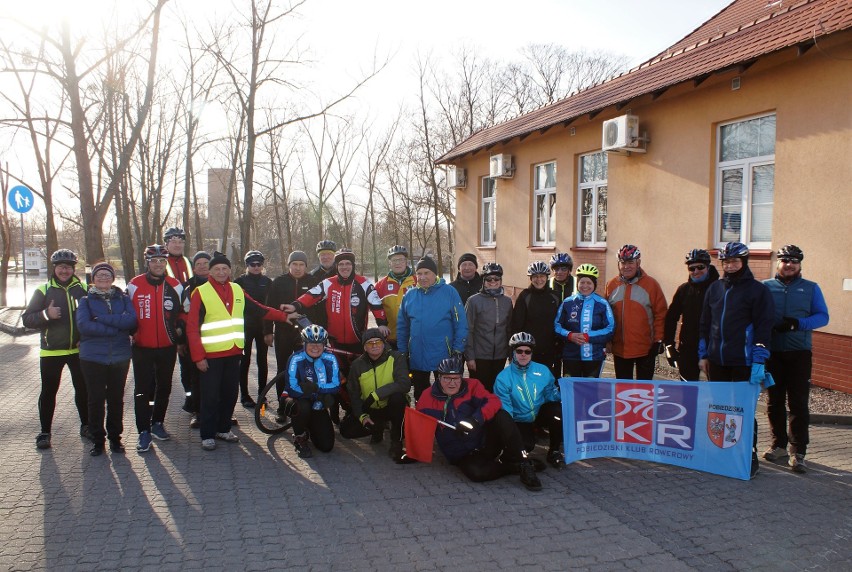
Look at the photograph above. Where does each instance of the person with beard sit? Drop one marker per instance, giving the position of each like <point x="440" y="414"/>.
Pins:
<point x="799" y="309"/>
<point x="160" y="325"/>
<point x="735" y="330"/>
<point x="189" y="377"/>
<point x="468" y="281"/>
<point x="535" y="311"/>
<point x="489" y="318"/>
<point x="257" y="285"/>
<point x="686" y="307"/>
<point x="52" y="310"/>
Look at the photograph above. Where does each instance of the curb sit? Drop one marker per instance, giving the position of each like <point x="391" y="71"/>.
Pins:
<point x="10" y="321"/>
<point x="818" y="418"/>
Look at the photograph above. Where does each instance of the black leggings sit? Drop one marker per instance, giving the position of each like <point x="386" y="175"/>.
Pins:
<point x="51" y="374"/>
<point x="549" y="417"/>
<point x="152" y="377"/>
<point x="261" y="351"/>
<point x="503" y="442"/>
<point x="394" y="411"/>
<point x="316" y="422"/>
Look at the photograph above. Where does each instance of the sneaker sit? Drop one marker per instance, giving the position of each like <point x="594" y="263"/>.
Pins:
<point x="208" y="444"/>
<point x="159" y="432"/>
<point x="528" y="476"/>
<point x="775" y="453"/>
<point x="43" y="441"/>
<point x="303" y="447"/>
<point x="144" y="442"/>
<point x="115" y="446"/>
<point x="395" y="451"/>
<point x="193" y="423"/>
<point x="797" y="463"/>
<point x="85" y="433"/>
<point x="248" y="402"/>
<point x="755" y="466"/>
<point x="97" y="450"/>
<point x="229" y="437"/>
<point x="556" y="458"/>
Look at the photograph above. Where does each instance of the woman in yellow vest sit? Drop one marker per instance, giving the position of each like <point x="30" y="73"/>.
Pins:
<point x="215" y="332"/>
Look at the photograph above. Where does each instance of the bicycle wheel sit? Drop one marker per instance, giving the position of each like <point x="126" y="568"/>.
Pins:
<point x="266" y="412"/>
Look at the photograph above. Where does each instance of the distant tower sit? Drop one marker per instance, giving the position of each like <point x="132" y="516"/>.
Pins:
<point x="217" y="196"/>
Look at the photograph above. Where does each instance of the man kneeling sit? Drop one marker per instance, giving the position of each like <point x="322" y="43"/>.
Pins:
<point x="483" y="430"/>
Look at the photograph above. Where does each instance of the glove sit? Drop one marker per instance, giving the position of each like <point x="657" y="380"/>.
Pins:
<point x="759" y="354"/>
<point x="467" y="426"/>
<point x="787" y="325"/>
<point x="758" y="373"/>
<point x="672" y="355"/>
<point x="328" y="400"/>
<point x="370" y="400"/>
<point x="309" y="387"/>
<point x="366" y="421"/>
<point x="768" y="381"/>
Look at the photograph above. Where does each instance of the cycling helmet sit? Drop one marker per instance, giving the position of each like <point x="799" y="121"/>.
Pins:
<point x="561" y="259"/>
<point x="538" y="267"/>
<point x="156" y="251"/>
<point x="697" y="255"/>
<point x="629" y="252"/>
<point x="254" y="256"/>
<point x="397" y="249"/>
<point x="733" y="250"/>
<point x="344" y="254"/>
<point x="173" y="232"/>
<point x="451" y="365"/>
<point x="63" y="256"/>
<point x="326" y="245"/>
<point x="522" y="339"/>
<point x="588" y="270"/>
<point x="314" y="334"/>
<point x="491" y="269"/>
<point x="791" y="252"/>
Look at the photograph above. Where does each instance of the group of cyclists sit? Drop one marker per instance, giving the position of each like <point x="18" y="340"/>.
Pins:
<point x="426" y="333"/>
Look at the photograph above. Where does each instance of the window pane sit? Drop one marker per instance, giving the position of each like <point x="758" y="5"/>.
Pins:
<point x="586" y="215"/>
<point x="593" y="168"/>
<point x="545" y="176"/>
<point x="766" y="137"/>
<point x="539" y="218"/>
<point x="551" y="235"/>
<point x="486" y="222"/>
<point x="487" y="187"/>
<point x="729" y="139"/>
<point x="732" y="192"/>
<point x="601" y="214"/>
<point x="550" y="169"/>
<point x="762" y="198"/>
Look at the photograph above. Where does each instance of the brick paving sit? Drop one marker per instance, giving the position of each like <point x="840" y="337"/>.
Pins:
<point x="256" y="506"/>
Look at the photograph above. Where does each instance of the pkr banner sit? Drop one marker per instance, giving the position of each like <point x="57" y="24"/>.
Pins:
<point x="706" y="426"/>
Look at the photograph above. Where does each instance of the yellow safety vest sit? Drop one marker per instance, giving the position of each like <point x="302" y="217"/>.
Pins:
<point x="222" y="330"/>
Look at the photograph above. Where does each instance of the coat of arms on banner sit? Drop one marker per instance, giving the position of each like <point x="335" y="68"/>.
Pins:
<point x="724" y="429"/>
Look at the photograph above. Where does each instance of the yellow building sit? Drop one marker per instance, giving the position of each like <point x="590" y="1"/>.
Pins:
<point x="741" y="131"/>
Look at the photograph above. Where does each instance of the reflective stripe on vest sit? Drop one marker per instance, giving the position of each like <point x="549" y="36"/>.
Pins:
<point x="171" y="273"/>
<point x="222" y="330"/>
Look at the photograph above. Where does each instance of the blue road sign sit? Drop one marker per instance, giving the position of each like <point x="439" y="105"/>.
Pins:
<point x="21" y="199"/>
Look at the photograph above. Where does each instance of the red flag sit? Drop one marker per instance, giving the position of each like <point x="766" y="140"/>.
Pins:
<point x="419" y="434"/>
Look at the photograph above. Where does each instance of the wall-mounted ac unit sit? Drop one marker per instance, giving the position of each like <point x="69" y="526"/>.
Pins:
<point x="622" y="134"/>
<point x="456" y="177"/>
<point x="501" y="166"/>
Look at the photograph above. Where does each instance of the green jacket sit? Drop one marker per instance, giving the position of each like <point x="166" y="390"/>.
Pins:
<point x="58" y="337"/>
<point x="384" y="377"/>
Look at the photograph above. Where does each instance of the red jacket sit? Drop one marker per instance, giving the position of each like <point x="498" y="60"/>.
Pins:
<point x="158" y="311"/>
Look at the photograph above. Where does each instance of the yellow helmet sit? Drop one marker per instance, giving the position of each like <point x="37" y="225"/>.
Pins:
<point x="588" y="270"/>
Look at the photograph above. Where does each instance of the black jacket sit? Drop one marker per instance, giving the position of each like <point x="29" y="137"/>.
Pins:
<point x="285" y="290"/>
<point x="535" y="313"/>
<point x="686" y="307"/>
<point x="467" y="288"/>
<point x="256" y="286"/>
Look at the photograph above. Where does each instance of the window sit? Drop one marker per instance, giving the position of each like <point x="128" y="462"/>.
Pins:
<point x="488" y="234"/>
<point x="544" y="205"/>
<point x="592" y="200"/>
<point x="745" y="182"/>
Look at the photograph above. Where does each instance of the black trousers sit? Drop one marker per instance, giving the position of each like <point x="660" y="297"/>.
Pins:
<point x="105" y="385"/>
<point x="317" y="422"/>
<point x="740" y="374"/>
<point x="503" y="447"/>
<point x="549" y="359"/>
<point x="253" y="336"/>
<point x="792" y="374"/>
<point x="580" y="368"/>
<point x="487" y="370"/>
<point x="420" y="381"/>
<point x="394" y="411"/>
<point x="152" y="376"/>
<point x="549" y="417"/>
<point x="51" y="374"/>
<point x="687" y="363"/>
<point x="285" y="346"/>
<point x="221" y="384"/>
<point x="644" y="367"/>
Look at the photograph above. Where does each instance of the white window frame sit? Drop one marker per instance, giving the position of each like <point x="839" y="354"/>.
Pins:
<point x="593" y="186"/>
<point x="747" y="165"/>
<point x="488" y="208"/>
<point x="545" y="193"/>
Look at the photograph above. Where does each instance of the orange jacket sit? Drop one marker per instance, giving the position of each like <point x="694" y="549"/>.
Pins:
<point x="640" y="308"/>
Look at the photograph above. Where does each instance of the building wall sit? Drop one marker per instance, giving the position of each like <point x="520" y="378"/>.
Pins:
<point x="664" y="201"/>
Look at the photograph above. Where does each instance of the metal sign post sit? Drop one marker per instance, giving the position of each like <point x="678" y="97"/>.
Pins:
<point x="21" y="200"/>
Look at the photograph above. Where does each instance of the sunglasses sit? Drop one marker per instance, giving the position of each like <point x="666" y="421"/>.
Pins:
<point x="255" y="264"/>
<point x="374" y="343"/>
<point x="493" y="279"/>
<point x="521" y="352"/>
<point x="790" y="261"/>
<point x="697" y="268"/>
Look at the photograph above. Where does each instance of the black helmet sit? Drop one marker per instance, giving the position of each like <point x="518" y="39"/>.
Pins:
<point x="733" y="250"/>
<point x="491" y="269"/>
<point x="326" y="245"/>
<point x="451" y="365"/>
<point x="397" y="249"/>
<point x="156" y="251"/>
<point x="522" y="339"/>
<point x="63" y="256"/>
<point x="538" y="267"/>
<point x="173" y="232"/>
<point x="254" y="256"/>
<point x="697" y="255"/>
<point x="791" y="252"/>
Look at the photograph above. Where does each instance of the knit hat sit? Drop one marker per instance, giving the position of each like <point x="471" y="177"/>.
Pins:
<point x="103" y="266"/>
<point x="297" y="256"/>
<point x="199" y="255"/>
<point x="371" y="334"/>
<point x="219" y="258"/>
<point x="467" y="257"/>
<point x="428" y="264"/>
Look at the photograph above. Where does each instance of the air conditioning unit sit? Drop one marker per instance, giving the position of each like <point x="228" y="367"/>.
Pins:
<point x="622" y="134"/>
<point x="501" y="166"/>
<point x="456" y="177"/>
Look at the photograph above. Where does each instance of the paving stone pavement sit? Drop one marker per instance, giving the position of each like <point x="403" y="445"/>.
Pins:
<point x="256" y="506"/>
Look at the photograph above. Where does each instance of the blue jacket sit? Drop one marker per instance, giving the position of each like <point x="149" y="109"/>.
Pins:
<point x="523" y="390"/>
<point x="431" y="325"/>
<point x="302" y="369"/>
<point x="590" y="315"/>
<point x="800" y="299"/>
<point x="105" y="329"/>
<point x="738" y="313"/>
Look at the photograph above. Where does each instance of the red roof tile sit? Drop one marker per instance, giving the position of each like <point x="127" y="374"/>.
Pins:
<point x="742" y="32"/>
